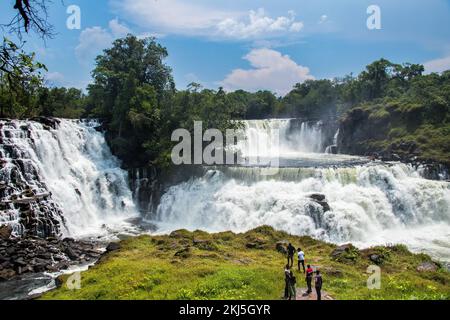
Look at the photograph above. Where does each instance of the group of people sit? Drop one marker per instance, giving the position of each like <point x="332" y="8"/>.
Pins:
<point x="290" y="291"/>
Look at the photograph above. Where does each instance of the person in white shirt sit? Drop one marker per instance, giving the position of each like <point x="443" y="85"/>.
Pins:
<point x="301" y="259"/>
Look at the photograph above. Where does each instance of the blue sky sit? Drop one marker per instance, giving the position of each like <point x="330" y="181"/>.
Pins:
<point x="249" y="44"/>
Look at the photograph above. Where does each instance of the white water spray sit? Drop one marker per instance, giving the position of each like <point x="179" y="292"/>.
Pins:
<point x="75" y="164"/>
<point x="370" y="204"/>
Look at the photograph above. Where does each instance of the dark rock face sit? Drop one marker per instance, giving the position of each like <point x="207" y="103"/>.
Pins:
<point x="149" y="184"/>
<point x="20" y="256"/>
<point x="321" y="199"/>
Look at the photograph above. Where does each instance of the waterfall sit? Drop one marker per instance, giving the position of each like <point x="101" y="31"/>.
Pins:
<point x="61" y="180"/>
<point x="370" y="204"/>
<point x="285" y="137"/>
<point x="333" y="148"/>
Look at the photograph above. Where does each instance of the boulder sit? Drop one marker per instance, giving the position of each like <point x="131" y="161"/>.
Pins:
<point x="325" y="206"/>
<point x="205" y="245"/>
<point x="6" y="274"/>
<point x="281" y="247"/>
<point x="428" y="266"/>
<point x="71" y="253"/>
<point x="59" y="281"/>
<point x="5" y="232"/>
<point x="317" y="197"/>
<point x="183" y="253"/>
<point x="345" y="253"/>
<point x="113" y="246"/>
<point x="256" y="243"/>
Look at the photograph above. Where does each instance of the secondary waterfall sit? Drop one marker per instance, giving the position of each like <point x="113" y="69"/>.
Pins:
<point x="284" y="137"/>
<point x="366" y="203"/>
<point x="61" y="180"/>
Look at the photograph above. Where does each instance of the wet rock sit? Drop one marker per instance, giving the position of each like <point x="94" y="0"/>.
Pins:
<point x="59" y="282"/>
<point x="113" y="246"/>
<point x="7" y="274"/>
<point x="52" y="123"/>
<point x="325" y="206"/>
<point x="35" y="255"/>
<point x="427" y="267"/>
<point x="70" y="252"/>
<point x="317" y="197"/>
<point x="5" y="232"/>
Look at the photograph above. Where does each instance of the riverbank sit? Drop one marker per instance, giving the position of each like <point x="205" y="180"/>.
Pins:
<point x="32" y="255"/>
<point x="198" y="265"/>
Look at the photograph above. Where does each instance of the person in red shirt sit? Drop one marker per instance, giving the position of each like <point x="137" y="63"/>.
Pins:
<point x="309" y="277"/>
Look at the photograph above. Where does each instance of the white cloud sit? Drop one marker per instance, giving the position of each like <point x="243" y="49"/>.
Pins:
<point x="271" y="71"/>
<point x="258" y="25"/>
<point x="177" y="17"/>
<point x="171" y="15"/>
<point x="55" y="78"/>
<point x="437" y="65"/>
<point x="323" y="19"/>
<point x="93" y="40"/>
<point x="117" y="29"/>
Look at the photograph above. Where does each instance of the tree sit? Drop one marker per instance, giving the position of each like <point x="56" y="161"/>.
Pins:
<point x="31" y="15"/>
<point x="20" y="77"/>
<point x="131" y="83"/>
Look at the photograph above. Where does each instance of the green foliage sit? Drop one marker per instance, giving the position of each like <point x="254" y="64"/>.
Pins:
<point x="148" y="268"/>
<point x="20" y="79"/>
<point x="134" y="94"/>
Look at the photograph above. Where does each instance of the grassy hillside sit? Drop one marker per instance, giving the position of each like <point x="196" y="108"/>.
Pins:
<point x="199" y="265"/>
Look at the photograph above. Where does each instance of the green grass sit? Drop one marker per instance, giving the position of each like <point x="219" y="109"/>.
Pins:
<point x="221" y="266"/>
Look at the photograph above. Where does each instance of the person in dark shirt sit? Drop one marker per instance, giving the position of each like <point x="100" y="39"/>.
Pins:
<point x="309" y="276"/>
<point x="292" y="283"/>
<point x="287" y="279"/>
<point x="318" y="285"/>
<point x="291" y="251"/>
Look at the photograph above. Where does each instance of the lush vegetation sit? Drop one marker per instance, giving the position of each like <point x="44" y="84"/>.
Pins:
<point x="198" y="265"/>
<point x="387" y="108"/>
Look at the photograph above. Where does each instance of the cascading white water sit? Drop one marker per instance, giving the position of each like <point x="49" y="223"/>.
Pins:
<point x="284" y="137"/>
<point x="370" y="203"/>
<point x="75" y="164"/>
<point x="373" y="204"/>
<point x="334" y="146"/>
